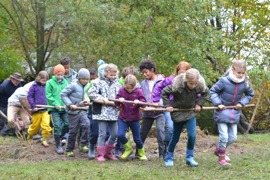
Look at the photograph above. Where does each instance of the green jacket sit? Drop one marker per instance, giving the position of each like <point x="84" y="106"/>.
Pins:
<point x="53" y="92"/>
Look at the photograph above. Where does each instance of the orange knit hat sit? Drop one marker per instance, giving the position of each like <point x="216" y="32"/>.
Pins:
<point x="58" y="68"/>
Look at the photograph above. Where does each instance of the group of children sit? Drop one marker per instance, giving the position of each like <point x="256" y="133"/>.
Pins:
<point x="116" y="106"/>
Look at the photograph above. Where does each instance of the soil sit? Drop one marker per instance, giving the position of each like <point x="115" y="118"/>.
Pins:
<point x="23" y="152"/>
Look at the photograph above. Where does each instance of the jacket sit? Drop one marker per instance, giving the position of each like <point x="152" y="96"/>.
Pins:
<point x="53" y="92"/>
<point x="130" y="112"/>
<point x="148" y="95"/>
<point x="73" y="94"/>
<point x="184" y="98"/>
<point x="7" y="88"/>
<point x="36" y="95"/>
<point x="14" y="99"/>
<point x="227" y="92"/>
<point x="102" y="88"/>
<point x="160" y="86"/>
<point x="72" y="77"/>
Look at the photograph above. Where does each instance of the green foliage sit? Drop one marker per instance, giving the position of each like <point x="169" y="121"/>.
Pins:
<point x="10" y="58"/>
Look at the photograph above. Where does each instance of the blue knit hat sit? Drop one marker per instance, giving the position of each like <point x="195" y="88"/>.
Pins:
<point x="100" y="62"/>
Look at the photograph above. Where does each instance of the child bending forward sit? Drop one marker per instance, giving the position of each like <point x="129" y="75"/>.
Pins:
<point x="130" y="115"/>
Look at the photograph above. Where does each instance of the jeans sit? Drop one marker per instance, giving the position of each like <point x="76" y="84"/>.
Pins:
<point x="146" y="126"/>
<point x="135" y="128"/>
<point x="168" y="126"/>
<point x="227" y="134"/>
<point x="191" y="132"/>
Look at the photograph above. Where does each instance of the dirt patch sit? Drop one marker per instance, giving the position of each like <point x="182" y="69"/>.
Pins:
<point x="23" y="152"/>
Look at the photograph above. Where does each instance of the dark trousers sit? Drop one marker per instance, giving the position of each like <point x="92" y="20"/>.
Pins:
<point x="76" y="122"/>
<point x="146" y="126"/>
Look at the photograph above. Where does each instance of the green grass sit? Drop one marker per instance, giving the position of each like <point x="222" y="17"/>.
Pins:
<point x="252" y="163"/>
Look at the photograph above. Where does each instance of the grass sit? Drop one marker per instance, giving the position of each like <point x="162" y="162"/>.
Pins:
<point x="252" y="163"/>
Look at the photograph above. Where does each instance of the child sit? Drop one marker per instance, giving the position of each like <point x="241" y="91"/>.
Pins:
<point x="73" y="98"/>
<point x="148" y="68"/>
<point x="130" y="115"/>
<point x="102" y="89"/>
<point x="182" y="67"/>
<point x="93" y="134"/>
<point x="70" y="74"/>
<point x="40" y="118"/>
<point x="233" y="89"/>
<point x="184" y="90"/>
<point x="59" y="116"/>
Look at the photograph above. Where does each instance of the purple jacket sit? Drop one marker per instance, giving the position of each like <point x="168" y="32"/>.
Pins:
<point x="156" y="95"/>
<point x="36" y="95"/>
<point x="130" y="112"/>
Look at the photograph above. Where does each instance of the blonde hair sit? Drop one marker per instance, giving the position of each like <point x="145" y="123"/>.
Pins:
<point x="131" y="80"/>
<point x="194" y="75"/>
<point x="239" y="63"/>
<point x="183" y="65"/>
<point x="42" y="75"/>
<point x="111" y="68"/>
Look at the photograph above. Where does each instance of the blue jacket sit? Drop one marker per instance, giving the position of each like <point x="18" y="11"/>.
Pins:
<point x="229" y="93"/>
<point x="73" y="94"/>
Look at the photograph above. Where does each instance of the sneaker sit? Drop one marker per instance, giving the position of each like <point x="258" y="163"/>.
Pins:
<point x="84" y="149"/>
<point x="70" y="154"/>
<point x="36" y="137"/>
<point x="44" y="142"/>
<point x="63" y="142"/>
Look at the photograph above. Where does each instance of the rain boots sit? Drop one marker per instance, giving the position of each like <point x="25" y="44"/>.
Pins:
<point x="108" y="152"/>
<point x="190" y="158"/>
<point x="141" y="154"/>
<point x="169" y="159"/>
<point x="59" y="149"/>
<point x="222" y="158"/>
<point x="100" y="154"/>
<point x="91" y="152"/>
<point x="128" y="150"/>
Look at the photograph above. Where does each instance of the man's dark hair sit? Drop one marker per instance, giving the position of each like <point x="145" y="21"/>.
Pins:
<point x="147" y="64"/>
<point x="65" y="61"/>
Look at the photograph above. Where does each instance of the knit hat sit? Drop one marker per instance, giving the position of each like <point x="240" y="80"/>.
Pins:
<point x="83" y="74"/>
<point x="100" y="62"/>
<point x="58" y="68"/>
<point x="101" y="69"/>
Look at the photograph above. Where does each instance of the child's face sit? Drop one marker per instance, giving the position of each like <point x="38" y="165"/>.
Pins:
<point x="129" y="88"/>
<point x="239" y="73"/>
<point x="59" y="76"/>
<point x="111" y="75"/>
<point x="148" y="74"/>
<point x="192" y="84"/>
<point x="84" y="81"/>
<point x="43" y="81"/>
<point x="67" y="67"/>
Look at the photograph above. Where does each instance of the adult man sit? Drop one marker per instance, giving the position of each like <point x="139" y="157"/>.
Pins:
<point x="7" y="88"/>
